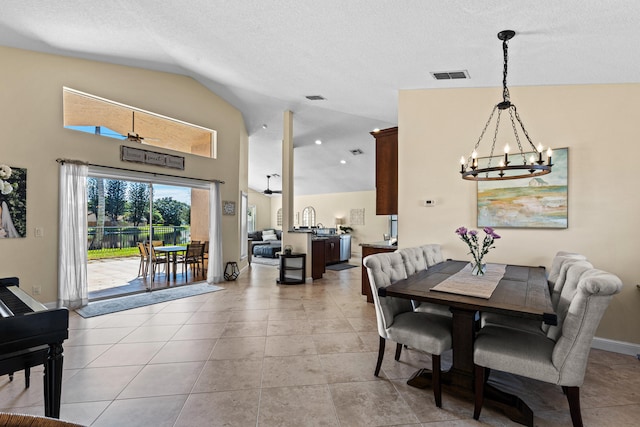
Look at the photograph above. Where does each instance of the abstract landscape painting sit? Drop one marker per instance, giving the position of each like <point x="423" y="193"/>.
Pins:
<point x="540" y="202"/>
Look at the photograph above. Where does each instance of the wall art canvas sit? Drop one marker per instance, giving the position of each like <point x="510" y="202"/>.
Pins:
<point x="540" y="202"/>
<point x="356" y="217"/>
<point x="13" y="202"/>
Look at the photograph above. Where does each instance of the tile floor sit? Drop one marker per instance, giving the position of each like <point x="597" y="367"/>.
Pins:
<point x="261" y="354"/>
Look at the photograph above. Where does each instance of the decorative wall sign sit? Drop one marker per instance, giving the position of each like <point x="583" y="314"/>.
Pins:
<point x="526" y="203"/>
<point x="228" y="207"/>
<point x="13" y="202"/>
<point x="356" y="217"/>
<point x="137" y="155"/>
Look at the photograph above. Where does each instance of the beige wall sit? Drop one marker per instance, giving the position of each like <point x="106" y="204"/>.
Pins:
<point x="33" y="137"/>
<point x="263" y="209"/>
<point x="599" y="125"/>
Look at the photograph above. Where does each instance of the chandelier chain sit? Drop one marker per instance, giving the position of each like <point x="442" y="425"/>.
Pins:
<point x="512" y="110"/>
<point x="486" y="125"/>
<point x="505" y="90"/>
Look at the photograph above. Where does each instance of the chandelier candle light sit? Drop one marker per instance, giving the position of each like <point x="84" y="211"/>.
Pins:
<point x="477" y="250"/>
<point x="533" y="167"/>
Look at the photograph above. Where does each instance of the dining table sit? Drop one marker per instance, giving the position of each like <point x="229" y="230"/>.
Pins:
<point x="521" y="291"/>
<point x="172" y="256"/>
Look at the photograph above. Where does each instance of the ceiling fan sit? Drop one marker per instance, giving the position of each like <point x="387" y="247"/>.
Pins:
<point x="269" y="191"/>
<point x="133" y="136"/>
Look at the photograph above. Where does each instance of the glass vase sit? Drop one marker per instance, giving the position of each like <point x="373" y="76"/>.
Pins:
<point x="478" y="269"/>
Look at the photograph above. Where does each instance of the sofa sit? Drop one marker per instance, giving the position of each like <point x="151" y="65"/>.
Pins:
<point x="266" y="243"/>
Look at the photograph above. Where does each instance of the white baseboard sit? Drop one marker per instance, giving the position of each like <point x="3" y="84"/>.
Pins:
<point x="616" y="346"/>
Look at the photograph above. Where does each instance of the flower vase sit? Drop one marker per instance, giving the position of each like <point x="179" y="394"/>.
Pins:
<point x="478" y="269"/>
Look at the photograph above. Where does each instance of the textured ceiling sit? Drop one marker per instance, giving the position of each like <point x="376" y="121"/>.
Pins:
<point x="264" y="57"/>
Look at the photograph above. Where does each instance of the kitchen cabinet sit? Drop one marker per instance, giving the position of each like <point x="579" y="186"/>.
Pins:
<point x="332" y="250"/>
<point x="318" y="258"/>
<point x="386" y="171"/>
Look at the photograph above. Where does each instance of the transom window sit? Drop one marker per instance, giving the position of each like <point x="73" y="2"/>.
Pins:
<point x="89" y="113"/>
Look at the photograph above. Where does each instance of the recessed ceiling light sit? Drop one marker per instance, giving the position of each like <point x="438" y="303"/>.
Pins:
<point x="344" y="162"/>
<point x="318" y="142"/>
<point x="315" y="97"/>
<point x="264" y="126"/>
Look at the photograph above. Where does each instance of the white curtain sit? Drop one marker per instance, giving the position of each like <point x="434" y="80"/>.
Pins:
<point x="215" y="272"/>
<point x="72" y="231"/>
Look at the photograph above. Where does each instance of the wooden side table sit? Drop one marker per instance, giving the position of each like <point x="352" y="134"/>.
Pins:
<point x="292" y="269"/>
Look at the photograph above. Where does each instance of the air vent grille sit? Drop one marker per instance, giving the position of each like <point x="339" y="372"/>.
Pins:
<point x="315" y="97"/>
<point x="449" y="75"/>
<point x="356" y="151"/>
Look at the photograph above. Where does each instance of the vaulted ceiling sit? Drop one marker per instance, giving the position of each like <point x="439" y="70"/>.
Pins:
<point x="265" y="57"/>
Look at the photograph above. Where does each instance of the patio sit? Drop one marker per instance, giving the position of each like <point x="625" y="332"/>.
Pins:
<point x="119" y="276"/>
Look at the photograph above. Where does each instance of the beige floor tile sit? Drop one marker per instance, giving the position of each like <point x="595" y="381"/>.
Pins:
<point x="122" y="320"/>
<point x="143" y="412"/>
<point x="200" y="331"/>
<point x="292" y="371"/>
<point x="97" y="336"/>
<point x="168" y="319"/>
<point x="288" y="327"/>
<point x="372" y="403"/>
<point x="348" y="367"/>
<point x="297" y="406"/>
<point x="245" y="329"/>
<point x="348" y="342"/>
<point x="127" y="354"/>
<point x="239" y="348"/>
<point x="237" y="374"/>
<point x="249" y="316"/>
<point x="80" y="356"/>
<point x="163" y="380"/>
<point x="293" y="345"/>
<point x="209" y="317"/>
<point x="330" y="326"/>
<point x="184" y="351"/>
<point x="93" y="384"/>
<point x="151" y="333"/>
<point x="227" y="408"/>
<point x="284" y="314"/>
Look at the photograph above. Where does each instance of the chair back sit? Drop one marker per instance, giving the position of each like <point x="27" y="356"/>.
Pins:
<point x="194" y="251"/>
<point x="384" y="269"/>
<point x="143" y="250"/>
<point x="432" y="254"/>
<point x="413" y="259"/>
<point x="157" y="243"/>
<point x="560" y="258"/>
<point x="592" y="296"/>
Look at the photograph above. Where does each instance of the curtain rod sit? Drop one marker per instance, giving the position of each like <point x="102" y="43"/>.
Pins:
<point x="80" y="162"/>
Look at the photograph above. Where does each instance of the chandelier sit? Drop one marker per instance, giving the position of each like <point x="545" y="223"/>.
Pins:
<point x="521" y="167"/>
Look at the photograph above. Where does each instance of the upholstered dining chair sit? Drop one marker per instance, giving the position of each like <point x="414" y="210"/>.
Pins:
<point x="432" y="254"/>
<point x="414" y="260"/>
<point x="398" y="322"/>
<point x="561" y="356"/>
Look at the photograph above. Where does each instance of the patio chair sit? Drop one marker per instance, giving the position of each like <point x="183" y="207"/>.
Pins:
<point x="193" y="257"/>
<point x="156" y="260"/>
<point x="144" y="259"/>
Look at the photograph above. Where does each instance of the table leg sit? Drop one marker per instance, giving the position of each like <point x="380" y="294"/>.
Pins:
<point x="459" y="380"/>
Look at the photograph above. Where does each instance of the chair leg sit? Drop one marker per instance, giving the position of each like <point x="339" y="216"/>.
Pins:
<point x="573" y="396"/>
<point x="479" y="390"/>
<point x="398" y="351"/>
<point x="435" y="379"/>
<point x="380" y="355"/>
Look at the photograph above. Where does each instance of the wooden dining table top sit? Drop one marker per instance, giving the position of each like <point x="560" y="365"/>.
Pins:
<point x="522" y="291"/>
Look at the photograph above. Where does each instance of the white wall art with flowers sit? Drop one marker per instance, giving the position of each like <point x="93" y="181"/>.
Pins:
<point x="13" y="202"/>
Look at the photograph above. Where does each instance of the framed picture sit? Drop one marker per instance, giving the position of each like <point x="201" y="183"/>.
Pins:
<point x="228" y="207"/>
<point x="540" y="202"/>
<point x="13" y="202"/>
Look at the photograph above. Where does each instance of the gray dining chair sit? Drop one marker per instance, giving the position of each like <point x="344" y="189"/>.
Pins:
<point x="414" y="260"/>
<point x="559" y="357"/>
<point x="556" y="264"/>
<point x="560" y="265"/>
<point x="432" y="254"/>
<point x="398" y="322"/>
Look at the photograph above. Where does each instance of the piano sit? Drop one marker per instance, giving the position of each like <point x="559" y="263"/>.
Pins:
<point x="32" y="335"/>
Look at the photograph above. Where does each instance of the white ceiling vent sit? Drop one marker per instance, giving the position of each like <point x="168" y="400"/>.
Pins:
<point x="449" y="75"/>
<point x="356" y="151"/>
<point x="315" y="97"/>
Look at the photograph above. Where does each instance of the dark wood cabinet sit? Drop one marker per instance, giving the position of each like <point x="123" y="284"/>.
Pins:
<point x="318" y="262"/>
<point x="386" y="171"/>
<point x="332" y="250"/>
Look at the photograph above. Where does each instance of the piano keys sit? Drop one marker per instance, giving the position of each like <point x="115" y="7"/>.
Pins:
<point x="31" y="335"/>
